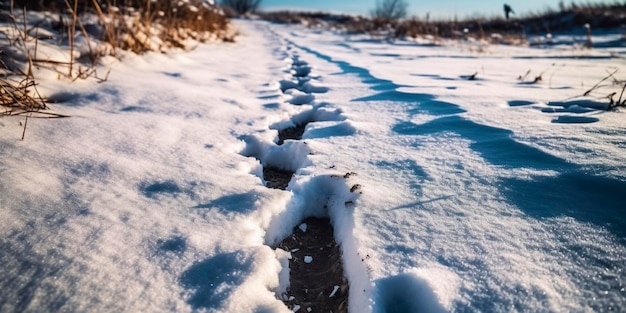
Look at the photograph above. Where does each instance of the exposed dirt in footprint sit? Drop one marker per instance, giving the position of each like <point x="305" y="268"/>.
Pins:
<point x="294" y="133"/>
<point x="276" y="178"/>
<point x="316" y="279"/>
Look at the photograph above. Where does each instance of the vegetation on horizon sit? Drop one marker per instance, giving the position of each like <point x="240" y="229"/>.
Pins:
<point x="579" y="18"/>
<point x="390" y="10"/>
<point x="240" y="7"/>
<point x="567" y="18"/>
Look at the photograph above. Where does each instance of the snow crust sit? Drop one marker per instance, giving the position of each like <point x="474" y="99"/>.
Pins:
<point x="445" y="193"/>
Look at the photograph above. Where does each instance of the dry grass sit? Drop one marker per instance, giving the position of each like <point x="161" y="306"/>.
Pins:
<point x="19" y="97"/>
<point x="133" y="25"/>
<point x="18" y="89"/>
<point x="163" y="24"/>
<point x="608" y="88"/>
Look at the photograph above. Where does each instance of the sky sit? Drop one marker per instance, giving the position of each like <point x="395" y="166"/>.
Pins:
<point x="436" y="8"/>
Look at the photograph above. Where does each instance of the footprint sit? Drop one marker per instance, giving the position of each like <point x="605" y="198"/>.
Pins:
<point x="300" y="98"/>
<point x="299" y="122"/>
<point x="518" y="103"/>
<point x="316" y="277"/>
<point x="329" y="129"/>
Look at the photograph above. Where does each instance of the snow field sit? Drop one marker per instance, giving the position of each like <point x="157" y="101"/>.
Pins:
<point x="130" y="170"/>
<point x="464" y="162"/>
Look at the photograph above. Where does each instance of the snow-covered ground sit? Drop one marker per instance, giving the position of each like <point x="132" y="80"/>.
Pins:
<point x="446" y="193"/>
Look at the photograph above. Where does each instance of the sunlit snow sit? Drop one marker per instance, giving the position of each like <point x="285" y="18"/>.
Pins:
<point x="489" y="194"/>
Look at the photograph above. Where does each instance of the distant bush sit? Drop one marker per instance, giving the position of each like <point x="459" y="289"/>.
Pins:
<point x="497" y="30"/>
<point x="309" y="18"/>
<point x="240" y="7"/>
<point x="390" y="10"/>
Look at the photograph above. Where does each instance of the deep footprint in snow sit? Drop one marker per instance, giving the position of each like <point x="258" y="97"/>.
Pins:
<point x="316" y="279"/>
<point x="276" y="178"/>
<point x="291" y="133"/>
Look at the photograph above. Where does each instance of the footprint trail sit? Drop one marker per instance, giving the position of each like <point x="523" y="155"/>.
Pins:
<point x="317" y="282"/>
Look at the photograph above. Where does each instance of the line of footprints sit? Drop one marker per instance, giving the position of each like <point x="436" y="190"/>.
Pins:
<point x="316" y="276"/>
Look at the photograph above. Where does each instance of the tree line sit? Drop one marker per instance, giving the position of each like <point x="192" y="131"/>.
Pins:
<point x="389" y="10"/>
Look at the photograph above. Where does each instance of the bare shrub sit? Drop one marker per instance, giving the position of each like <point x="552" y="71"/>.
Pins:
<point x="241" y="7"/>
<point x="390" y="10"/>
<point x="17" y="96"/>
<point x="614" y="85"/>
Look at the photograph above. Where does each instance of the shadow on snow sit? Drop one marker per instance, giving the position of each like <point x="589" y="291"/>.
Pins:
<point x="586" y="198"/>
<point x="494" y="144"/>
<point x="213" y="280"/>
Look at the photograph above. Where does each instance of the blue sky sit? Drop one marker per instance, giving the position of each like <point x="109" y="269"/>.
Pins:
<point x="437" y="8"/>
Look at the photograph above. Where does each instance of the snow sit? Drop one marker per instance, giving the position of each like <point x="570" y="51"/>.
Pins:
<point x="303" y="227"/>
<point x="446" y="194"/>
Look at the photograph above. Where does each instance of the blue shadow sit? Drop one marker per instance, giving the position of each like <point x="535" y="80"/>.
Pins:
<point x="398" y="96"/>
<point x="214" y="279"/>
<point x="407" y="166"/>
<point x="172" y="74"/>
<point x="241" y="203"/>
<point x="135" y="108"/>
<point x="436" y="108"/>
<point x="155" y="189"/>
<point x="495" y="145"/>
<point x="519" y="103"/>
<point x="406" y="293"/>
<point x="71" y="99"/>
<point x="569" y="119"/>
<point x="347" y="68"/>
<point x="89" y="169"/>
<point x="176" y="244"/>
<point x="584" y="197"/>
